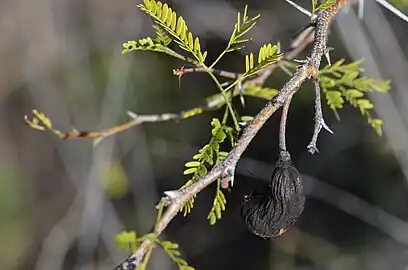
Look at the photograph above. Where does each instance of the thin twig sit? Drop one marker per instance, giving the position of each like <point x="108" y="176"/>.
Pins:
<point x="216" y="72"/>
<point x="319" y="120"/>
<point x="226" y="169"/>
<point x="211" y="103"/>
<point x="282" y="125"/>
<point x="304" y="38"/>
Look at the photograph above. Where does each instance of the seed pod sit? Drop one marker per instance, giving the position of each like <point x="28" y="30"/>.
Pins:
<point x="273" y="209"/>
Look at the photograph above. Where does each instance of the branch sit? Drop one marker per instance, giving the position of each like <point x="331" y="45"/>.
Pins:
<point x="217" y="72"/>
<point x="319" y="121"/>
<point x="211" y="103"/>
<point x="282" y="125"/>
<point x="225" y="170"/>
<point x="304" y="38"/>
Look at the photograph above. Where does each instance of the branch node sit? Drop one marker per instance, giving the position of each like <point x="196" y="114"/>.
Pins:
<point x="227" y="176"/>
<point x="319" y="120"/>
<point x="171" y="195"/>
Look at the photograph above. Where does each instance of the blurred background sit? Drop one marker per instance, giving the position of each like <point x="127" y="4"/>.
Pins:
<point x="62" y="202"/>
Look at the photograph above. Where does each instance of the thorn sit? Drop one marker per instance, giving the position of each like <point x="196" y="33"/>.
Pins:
<point x="228" y="177"/>
<point x="132" y="115"/>
<point x="312" y="149"/>
<point x="327" y="54"/>
<point x="241" y="95"/>
<point x="179" y="73"/>
<point x="172" y="194"/>
<point x="327" y="128"/>
<point x="243" y="124"/>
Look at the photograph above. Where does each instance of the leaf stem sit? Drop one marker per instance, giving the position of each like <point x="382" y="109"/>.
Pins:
<point x="219" y="57"/>
<point x="227" y="100"/>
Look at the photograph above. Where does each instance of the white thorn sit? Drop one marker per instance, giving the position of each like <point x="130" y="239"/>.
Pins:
<point x="313" y="149"/>
<point x="326" y="127"/>
<point x="241" y="95"/>
<point x="228" y="177"/>
<point x="327" y="55"/>
<point x="132" y="115"/>
<point x="172" y="194"/>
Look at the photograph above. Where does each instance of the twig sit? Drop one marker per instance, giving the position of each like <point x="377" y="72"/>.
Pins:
<point x="211" y="103"/>
<point x="304" y="38"/>
<point x="216" y="72"/>
<point x="319" y="120"/>
<point x="226" y="169"/>
<point x="282" y="125"/>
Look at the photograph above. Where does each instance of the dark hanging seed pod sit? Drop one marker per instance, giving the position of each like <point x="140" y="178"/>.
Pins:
<point x="273" y="209"/>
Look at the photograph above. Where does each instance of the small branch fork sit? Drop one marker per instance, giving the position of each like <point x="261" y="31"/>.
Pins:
<point x="319" y="121"/>
<point x="225" y="170"/>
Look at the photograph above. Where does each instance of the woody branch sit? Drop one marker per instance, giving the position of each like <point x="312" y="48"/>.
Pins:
<point x="225" y="170"/>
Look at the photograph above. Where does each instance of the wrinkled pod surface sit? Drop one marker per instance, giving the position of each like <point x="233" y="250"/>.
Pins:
<point x="273" y="209"/>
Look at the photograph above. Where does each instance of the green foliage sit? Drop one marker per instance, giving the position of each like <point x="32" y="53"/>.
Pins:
<point x="242" y="26"/>
<point x="216" y="101"/>
<point x="209" y="155"/>
<point x="162" y="36"/>
<point x="173" y="252"/>
<point x="148" y="44"/>
<point x="127" y="241"/>
<point x="114" y="180"/>
<point x="325" y="4"/>
<point x="219" y="201"/>
<point x="254" y="90"/>
<point x="401" y="4"/>
<point x="267" y="55"/>
<point x="237" y="40"/>
<point x="41" y="122"/>
<point x="341" y="82"/>
<point x="169" y="27"/>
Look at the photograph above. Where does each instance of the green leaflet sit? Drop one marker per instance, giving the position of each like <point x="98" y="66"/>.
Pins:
<point x="267" y="55"/>
<point x="242" y="26"/>
<point x="173" y="252"/>
<point x="342" y="82"/>
<point x="209" y="155"/>
<point x="170" y="27"/>
<point x="324" y="5"/>
<point x="126" y="240"/>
